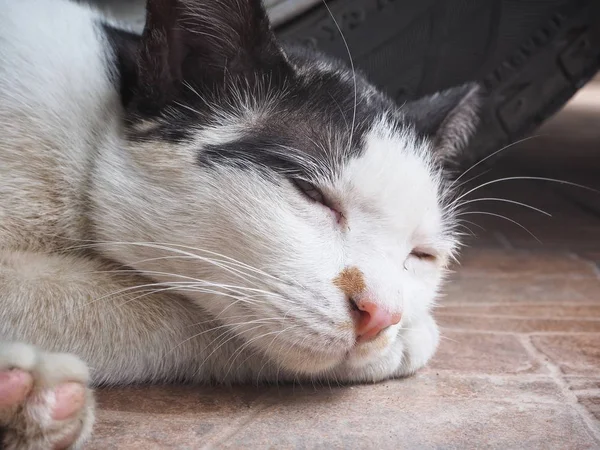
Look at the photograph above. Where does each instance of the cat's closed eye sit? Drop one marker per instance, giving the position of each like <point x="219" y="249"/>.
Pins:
<point x="310" y="191"/>
<point x="423" y="255"/>
<point x="313" y="193"/>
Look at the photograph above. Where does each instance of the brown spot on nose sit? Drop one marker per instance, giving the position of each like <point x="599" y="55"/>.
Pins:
<point x="351" y="281"/>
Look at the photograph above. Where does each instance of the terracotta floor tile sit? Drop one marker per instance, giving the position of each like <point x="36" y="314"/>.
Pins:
<point x="476" y="353"/>
<point x="573" y="354"/>
<point x="152" y="431"/>
<point x="592" y="404"/>
<point x="181" y="400"/>
<point x="578" y="383"/>
<point x="500" y="262"/>
<point x="423" y="412"/>
<point x="516" y="324"/>
<point x="538" y="311"/>
<point x="463" y="288"/>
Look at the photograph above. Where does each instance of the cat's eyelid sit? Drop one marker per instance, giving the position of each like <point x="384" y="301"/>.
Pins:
<point x="310" y="190"/>
<point x="424" y="254"/>
<point x="315" y="194"/>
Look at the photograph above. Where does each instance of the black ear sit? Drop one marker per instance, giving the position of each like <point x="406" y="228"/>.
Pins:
<point x="449" y="118"/>
<point x="201" y="41"/>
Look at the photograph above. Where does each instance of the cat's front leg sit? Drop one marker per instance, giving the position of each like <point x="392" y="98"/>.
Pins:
<point x="420" y="341"/>
<point x="414" y="345"/>
<point x="45" y="402"/>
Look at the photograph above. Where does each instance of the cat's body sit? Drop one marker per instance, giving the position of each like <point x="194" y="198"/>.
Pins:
<point x="156" y="235"/>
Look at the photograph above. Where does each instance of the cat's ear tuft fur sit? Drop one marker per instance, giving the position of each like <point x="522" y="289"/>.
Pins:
<point x="449" y="118"/>
<point x="203" y="41"/>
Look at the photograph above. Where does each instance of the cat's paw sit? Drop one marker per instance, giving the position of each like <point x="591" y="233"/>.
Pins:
<point x="420" y="341"/>
<point x="44" y="399"/>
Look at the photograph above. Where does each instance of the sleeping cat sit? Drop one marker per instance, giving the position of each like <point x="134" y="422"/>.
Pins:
<point x="200" y="203"/>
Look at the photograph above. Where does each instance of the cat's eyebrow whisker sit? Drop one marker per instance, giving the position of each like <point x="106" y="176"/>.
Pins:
<point x="502" y="217"/>
<point x="505" y="200"/>
<point x="353" y="73"/>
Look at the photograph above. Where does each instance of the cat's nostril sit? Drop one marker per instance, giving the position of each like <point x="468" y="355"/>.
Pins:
<point x="370" y="319"/>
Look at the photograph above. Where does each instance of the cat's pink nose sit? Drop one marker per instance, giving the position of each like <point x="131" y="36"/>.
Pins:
<point x="371" y="319"/>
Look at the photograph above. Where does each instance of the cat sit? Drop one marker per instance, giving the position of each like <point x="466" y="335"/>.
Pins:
<point x="202" y="203"/>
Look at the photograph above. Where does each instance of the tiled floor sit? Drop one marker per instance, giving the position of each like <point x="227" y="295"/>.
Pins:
<point x="519" y="365"/>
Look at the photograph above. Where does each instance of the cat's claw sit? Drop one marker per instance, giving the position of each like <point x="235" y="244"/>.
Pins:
<point x="44" y="399"/>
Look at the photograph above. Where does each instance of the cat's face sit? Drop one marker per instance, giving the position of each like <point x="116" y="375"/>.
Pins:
<point x="294" y="194"/>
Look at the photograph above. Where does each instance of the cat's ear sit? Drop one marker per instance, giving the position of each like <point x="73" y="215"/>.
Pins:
<point x="201" y="40"/>
<point x="449" y="118"/>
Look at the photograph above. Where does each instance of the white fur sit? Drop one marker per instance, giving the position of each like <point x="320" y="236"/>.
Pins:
<point x="263" y="304"/>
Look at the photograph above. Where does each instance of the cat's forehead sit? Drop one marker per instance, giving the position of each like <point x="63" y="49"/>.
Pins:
<point x="309" y="124"/>
<point x="394" y="177"/>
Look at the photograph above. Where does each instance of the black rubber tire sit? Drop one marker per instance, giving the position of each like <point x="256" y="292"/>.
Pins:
<point x="530" y="56"/>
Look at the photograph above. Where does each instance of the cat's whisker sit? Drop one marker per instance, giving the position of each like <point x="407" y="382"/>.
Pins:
<point x="502" y="217"/>
<point x="192" y="281"/>
<point x="351" y="60"/>
<point x="173" y="248"/>
<point x="481" y="161"/>
<point x="233" y="336"/>
<point x="552" y="180"/>
<point x="470" y="223"/>
<point x="467" y="181"/>
<point x="228" y="325"/>
<point x="249" y="342"/>
<point x="172" y="286"/>
<point x="159" y="246"/>
<point x="505" y="200"/>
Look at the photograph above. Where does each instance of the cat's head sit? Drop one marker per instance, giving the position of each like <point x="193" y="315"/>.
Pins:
<point x="302" y="206"/>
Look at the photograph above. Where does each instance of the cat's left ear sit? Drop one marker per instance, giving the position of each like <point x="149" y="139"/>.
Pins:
<point x="449" y="118"/>
<point x="201" y="42"/>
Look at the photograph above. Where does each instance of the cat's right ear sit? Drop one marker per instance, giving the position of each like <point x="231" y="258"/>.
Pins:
<point x="201" y="42"/>
<point x="449" y="118"/>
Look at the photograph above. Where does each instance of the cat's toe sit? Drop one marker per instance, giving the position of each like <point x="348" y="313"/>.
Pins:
<point x="48" y="404"/>
<point x="15" y="385"/>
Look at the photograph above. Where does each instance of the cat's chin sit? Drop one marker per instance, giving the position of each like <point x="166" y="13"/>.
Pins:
<point x="397" y="354"/>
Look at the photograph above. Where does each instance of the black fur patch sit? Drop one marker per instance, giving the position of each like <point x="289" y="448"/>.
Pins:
<point x="198" y="58"/>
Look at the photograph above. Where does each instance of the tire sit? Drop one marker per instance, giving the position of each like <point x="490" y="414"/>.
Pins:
<point x="530" y="56"/>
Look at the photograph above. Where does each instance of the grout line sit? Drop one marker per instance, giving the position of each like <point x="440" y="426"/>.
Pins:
<point x="554" y="371"/>
<point x="520" y="333"/>
<point x="559" y="303"/>
<point x="441" y="313"/>
<point x="230" y="431"/>
<point x="496" y="275"/>
<point x="591" y="392"/>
